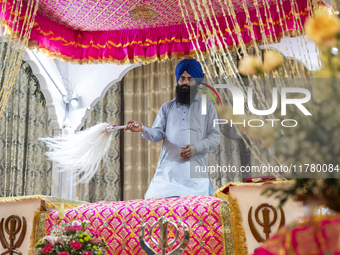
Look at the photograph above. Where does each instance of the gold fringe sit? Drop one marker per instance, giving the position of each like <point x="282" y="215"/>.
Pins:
<point x="240" y="241"/>
<point x="32" y="242"/>
<point x="147" y="60"/>
<point x="52" y="205"/>
<point x="48" y="204"/>
<point x="8" y="32"/>
<point x="18" y="199"/>
<point x="250" y="184"/>
<point x="239" y="236"/>
<point x="221" y="195"/>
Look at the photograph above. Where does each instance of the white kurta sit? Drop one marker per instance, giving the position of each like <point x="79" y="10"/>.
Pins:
<point x="179" y="125"/>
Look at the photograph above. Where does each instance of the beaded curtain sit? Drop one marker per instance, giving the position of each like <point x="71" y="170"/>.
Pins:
<point x="18" y="33"/>
<point x="221" y="68"/>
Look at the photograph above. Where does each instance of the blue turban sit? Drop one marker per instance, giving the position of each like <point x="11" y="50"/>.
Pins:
<point x="192" y="67"/>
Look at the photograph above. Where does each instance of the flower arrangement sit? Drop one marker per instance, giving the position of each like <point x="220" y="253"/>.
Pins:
<point x="73" y="238"/>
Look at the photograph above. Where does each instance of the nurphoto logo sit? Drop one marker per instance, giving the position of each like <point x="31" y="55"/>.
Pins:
<point x="239" y="105"/>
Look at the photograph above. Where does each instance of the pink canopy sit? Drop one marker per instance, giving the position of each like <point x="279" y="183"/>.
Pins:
<point x="99" y="31"/>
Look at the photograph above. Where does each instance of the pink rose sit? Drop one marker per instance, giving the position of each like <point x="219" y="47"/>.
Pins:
<point x="76" y="227"/>
<point x="86" y="253"/>
<point x="63" y="253"/>
<point x="73" y="228"/>
<point x="96" y="240"/>
<point x="75" y="244"/>
<point x="94" y="232"/>
<point x="47" y="248"/>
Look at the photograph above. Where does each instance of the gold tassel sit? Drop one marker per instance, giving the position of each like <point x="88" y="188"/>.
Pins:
<point x="33" y="241"/>
<point x="240" y="242"/>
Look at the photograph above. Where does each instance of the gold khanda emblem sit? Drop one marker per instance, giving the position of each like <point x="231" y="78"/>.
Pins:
<point x="266" y="224"/>
<point x="163" y="242"/>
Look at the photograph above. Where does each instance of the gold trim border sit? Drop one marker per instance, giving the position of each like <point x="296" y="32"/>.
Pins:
<point x="239" y="237"/>
<point x="49" y="203"/>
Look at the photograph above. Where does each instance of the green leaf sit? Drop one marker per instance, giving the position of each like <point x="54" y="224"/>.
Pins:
<point x="282" y="202"/>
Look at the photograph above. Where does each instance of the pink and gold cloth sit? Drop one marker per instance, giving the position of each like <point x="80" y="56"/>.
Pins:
<point x="208" y="219"/>
<point x="316" y="235"/>
<point x="102" y="31"/>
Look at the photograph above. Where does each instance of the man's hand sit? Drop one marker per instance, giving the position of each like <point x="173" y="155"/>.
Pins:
<point x="189" y="151"/>
<point x="134" y="126"/>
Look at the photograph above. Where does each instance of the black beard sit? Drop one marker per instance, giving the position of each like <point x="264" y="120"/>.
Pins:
<point x="185" y="96"/>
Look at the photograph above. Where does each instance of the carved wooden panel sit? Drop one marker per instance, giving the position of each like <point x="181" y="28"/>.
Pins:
<point x="266" y="224"/>
<point x="13" y="226"/>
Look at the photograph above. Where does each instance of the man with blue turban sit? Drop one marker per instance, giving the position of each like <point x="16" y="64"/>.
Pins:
<point x="187" y="137"/>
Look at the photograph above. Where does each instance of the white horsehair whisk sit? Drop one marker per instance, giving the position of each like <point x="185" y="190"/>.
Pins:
<point x="81" y="152"/>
